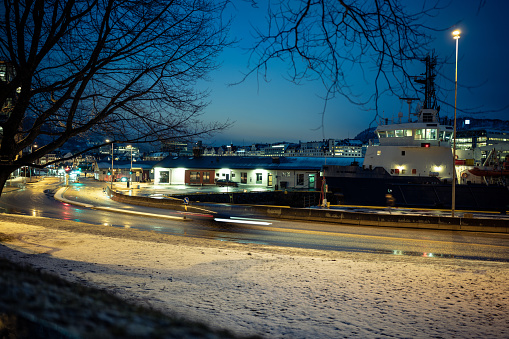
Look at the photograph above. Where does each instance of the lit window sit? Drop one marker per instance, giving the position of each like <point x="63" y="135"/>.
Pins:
<point x="431" y="134"/>
<point x="420" y="134"/>
<point x="194" y="177"/>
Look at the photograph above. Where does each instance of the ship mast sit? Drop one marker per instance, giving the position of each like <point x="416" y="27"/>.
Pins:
<point x="430" y="99"/>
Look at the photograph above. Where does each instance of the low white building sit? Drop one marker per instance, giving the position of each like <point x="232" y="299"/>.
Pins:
<point x="266" y="172"/>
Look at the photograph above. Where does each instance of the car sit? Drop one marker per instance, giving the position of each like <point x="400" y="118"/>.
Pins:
<point x="224" y="182"/>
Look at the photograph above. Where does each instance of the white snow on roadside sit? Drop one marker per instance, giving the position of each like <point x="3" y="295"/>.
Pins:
<point x="280" y="292"/>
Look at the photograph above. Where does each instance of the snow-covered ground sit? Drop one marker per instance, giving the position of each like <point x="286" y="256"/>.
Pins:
<point x="273" y="291"/>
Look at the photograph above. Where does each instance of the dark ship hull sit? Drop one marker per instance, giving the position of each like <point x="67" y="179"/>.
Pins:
<point x="353" y="185"/>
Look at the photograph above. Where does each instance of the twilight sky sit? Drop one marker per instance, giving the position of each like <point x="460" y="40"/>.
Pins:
<point x="279" y="110"/>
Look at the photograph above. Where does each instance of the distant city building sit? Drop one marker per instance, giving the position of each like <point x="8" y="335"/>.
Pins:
<point x="348" y="148"/>
<point x="155" y="156"/>
<point x="174" y="147"/>
<point x="121" y="152"/>
<point x="476" y="145"/>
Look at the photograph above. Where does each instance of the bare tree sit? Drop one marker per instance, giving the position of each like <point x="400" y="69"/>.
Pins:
<point x="324" y="40"/>
<point x="124" y="68"/>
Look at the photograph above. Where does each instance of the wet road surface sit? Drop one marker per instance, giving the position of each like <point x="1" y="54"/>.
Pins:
<point x="37" y="199"/>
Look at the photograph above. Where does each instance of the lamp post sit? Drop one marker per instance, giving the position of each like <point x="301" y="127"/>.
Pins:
<point x="131" y="170"/>
<point x="456" y="36"/>
<point x="28" y="167"/>
<point x="111" y="177"/>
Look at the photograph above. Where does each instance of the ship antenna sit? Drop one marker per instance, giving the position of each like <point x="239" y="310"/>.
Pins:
<point x="409" y="102"/>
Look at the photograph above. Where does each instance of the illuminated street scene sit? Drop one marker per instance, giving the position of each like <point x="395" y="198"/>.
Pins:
<point x="254" y="169"/>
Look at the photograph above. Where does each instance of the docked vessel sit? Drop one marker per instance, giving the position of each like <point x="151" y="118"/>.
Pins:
<point x="413" y="162"/>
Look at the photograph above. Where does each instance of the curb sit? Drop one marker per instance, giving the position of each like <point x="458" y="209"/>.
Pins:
<point x="61" y="191"/>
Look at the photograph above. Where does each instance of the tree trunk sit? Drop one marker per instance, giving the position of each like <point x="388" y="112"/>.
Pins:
<point x="5" y="173"/>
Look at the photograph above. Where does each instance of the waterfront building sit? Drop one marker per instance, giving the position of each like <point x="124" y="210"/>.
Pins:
<point x="262" y="171"/>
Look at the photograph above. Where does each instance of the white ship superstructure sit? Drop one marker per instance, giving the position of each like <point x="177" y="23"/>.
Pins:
<point x="418" y="148"/>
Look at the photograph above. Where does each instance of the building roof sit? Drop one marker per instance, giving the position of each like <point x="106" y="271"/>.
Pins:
<point x="268" y="163"/>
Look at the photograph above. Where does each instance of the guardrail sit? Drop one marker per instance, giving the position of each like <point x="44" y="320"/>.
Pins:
<point x="330" y="215"/>
<point x="389" y="220"/>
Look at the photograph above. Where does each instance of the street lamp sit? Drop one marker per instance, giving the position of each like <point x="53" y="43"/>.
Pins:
<point x="456" y="36"/>
<point x="29" y="167"/>
<point x="131" y="170"/>
<point x="111" y="178"/>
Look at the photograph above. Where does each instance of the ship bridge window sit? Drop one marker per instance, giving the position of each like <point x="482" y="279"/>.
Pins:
<point x="420" y="134"/>
<point x="403" y="133"/>
<point x="390" y="134"/>
<point x="426" y="134"/>
<point x="431" y="134"/>
<point x="381" y="134"/>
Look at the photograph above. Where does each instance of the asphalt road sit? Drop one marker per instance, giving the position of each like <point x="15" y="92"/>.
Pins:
<point x="37" y="199"/>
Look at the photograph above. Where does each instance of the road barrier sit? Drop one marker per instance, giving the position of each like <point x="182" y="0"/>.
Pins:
<point x="466" y="223"/>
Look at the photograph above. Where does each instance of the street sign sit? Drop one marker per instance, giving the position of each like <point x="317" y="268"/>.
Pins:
<point x="186" y="200"/>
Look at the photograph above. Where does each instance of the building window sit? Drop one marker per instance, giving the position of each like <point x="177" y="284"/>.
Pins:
<point x="259" y="178"/>
<point x="243" y="177"/>
<point x="300" y="179"/>
<point x="206" y="177"/>
<point x="194" y="177"/>
<point x="403" y="153"/>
